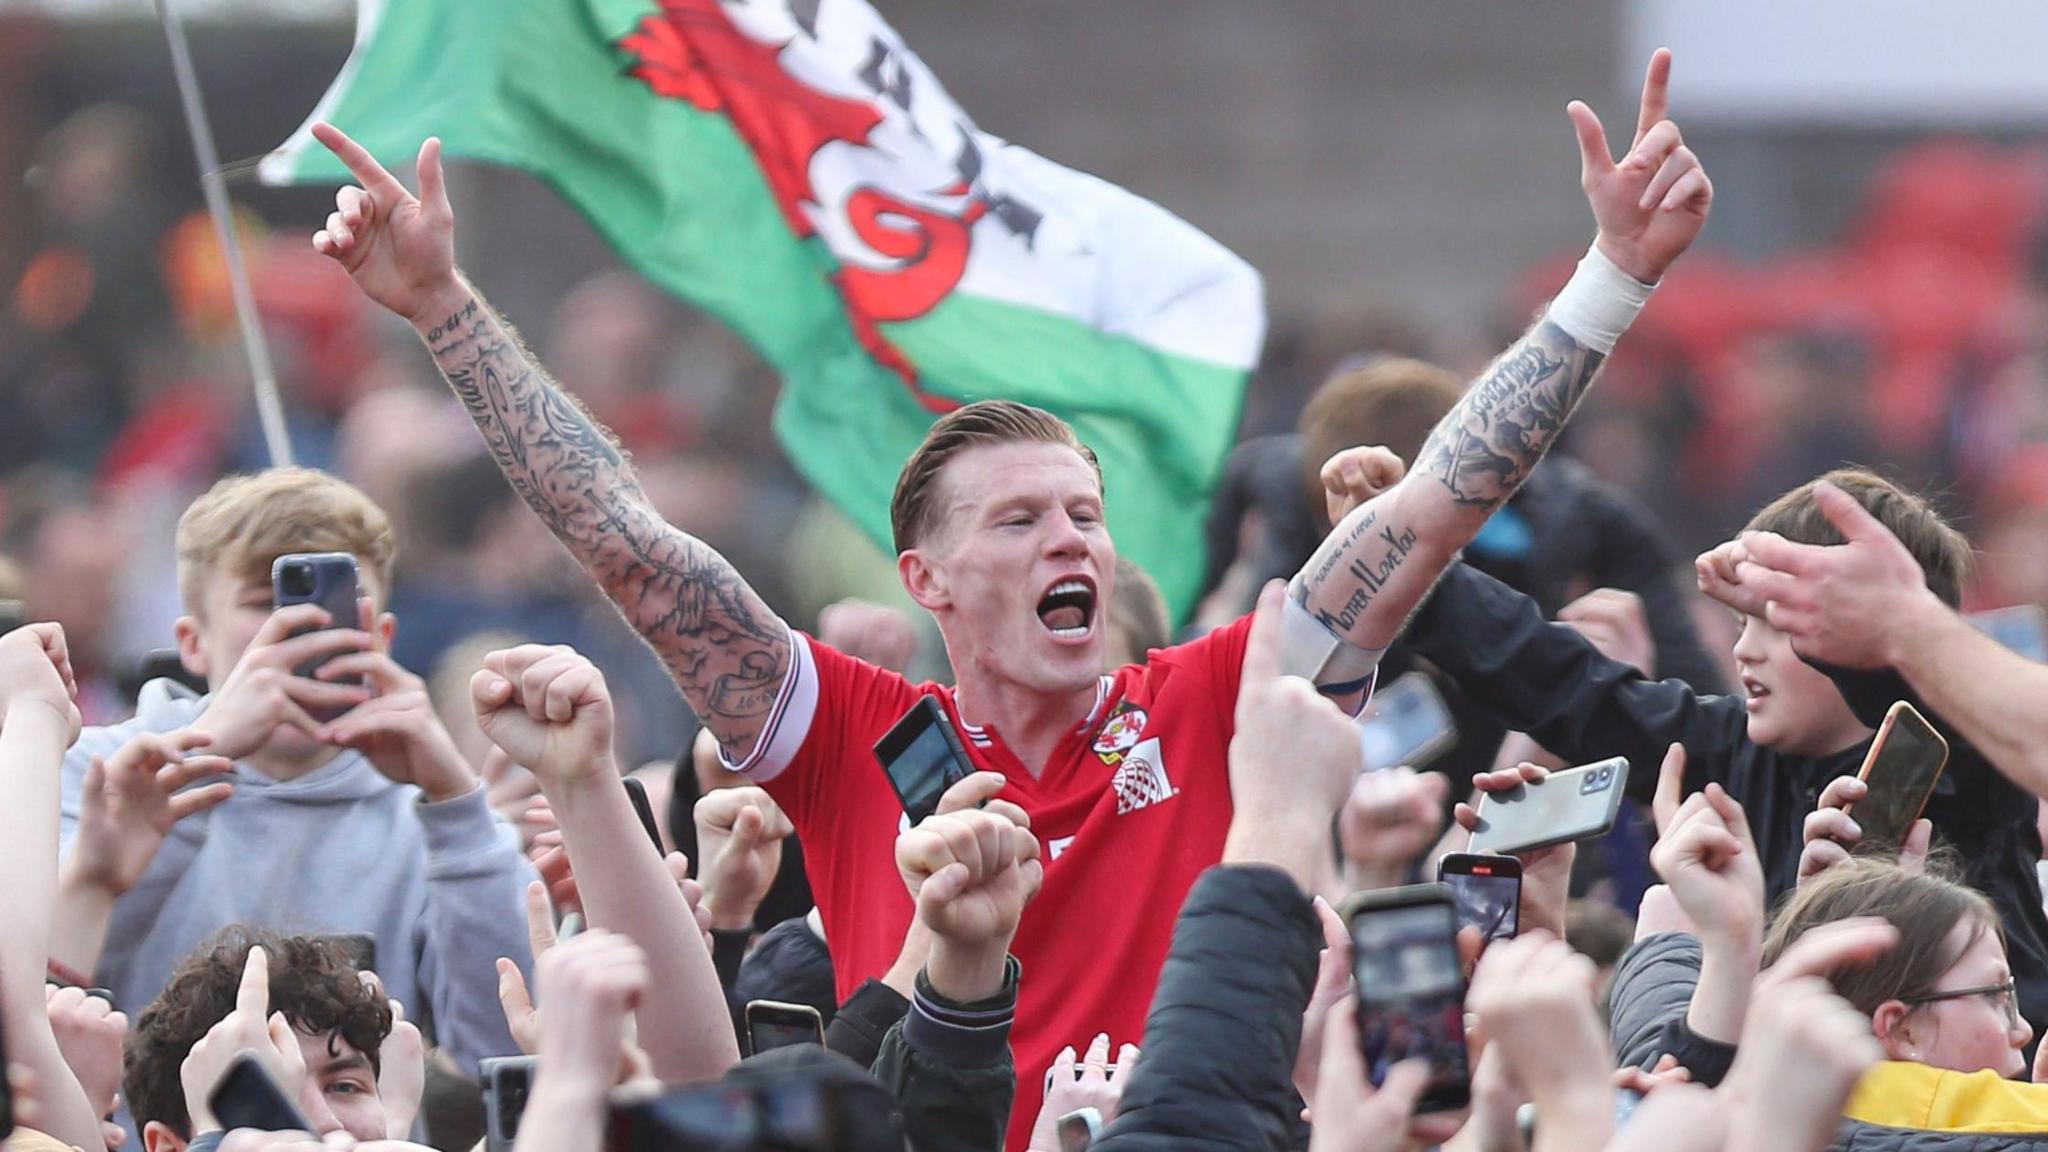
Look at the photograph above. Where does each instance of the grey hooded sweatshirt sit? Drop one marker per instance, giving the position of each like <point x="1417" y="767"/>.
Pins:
<point x="341" y="849"/>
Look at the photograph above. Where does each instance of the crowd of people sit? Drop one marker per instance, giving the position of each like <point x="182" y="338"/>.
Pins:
<point x="387" y="872"/>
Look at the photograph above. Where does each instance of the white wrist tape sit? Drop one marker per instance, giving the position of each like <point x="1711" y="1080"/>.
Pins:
<point x="1318" y="653"/>
<point x="1599" y="302"/>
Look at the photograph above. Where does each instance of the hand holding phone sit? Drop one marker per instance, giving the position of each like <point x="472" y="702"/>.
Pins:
<point x="1406" y="722"/>
<point x="247" y="1097"/>
<point x="922" y="756"/>
<point x="1411" y="989"/>
<point x="328" y="579"/>
<point x="1900" y="771"/>
<point x="1561" y="807"/>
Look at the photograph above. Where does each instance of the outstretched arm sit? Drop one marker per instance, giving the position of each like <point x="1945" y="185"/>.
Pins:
<point x="727" y="650"/>
<point x="1382" y="558"/>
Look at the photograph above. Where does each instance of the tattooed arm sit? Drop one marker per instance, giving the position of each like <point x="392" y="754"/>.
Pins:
<point x="727" y="650"/>
<point x="1382" y="558"/>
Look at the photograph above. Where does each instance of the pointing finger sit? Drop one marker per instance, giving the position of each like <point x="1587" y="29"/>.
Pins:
<point x="433" y="185"/>
<point x="1262" y="647"/>
<point x="370" y="174"/>
<point x="253" y="997"/>
<point x="1656" y="93"/>
<point x="1670" y="788"/>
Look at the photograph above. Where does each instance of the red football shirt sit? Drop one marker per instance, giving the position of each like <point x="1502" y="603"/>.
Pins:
<point x="1133" y="805"/>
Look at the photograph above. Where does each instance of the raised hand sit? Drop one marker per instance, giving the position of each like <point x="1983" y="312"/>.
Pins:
<point x="1712" y="866"/>
<point x="1391" y="817"/>
<point x="971" y="874"/>
<point x="402" y="1075"/>
<point x="1719" y="572"/>
<point x="35" y="672"/>
<point x="1615" y="622"/>
<point x="89" y="1035"/>
<point x="263" y="692"/>
<point x="591" y="986"/>
<point x="1292" y="760"/>
<point x="131" y="801"/>
<point x="397" y="729"/>
<point x="1653" y="203"/>
<point x="1546" y="872"/>
<point x="1356" y="475"/>
<point x="1353" y="1117"/>
<point x="1830" y="833"/>
<point x="550" y="710"/>
<point x="1333" y="984"/>
<point x="251" y="1026"/>
<point x="1804" y="1047"/>
<point x="876" y="633"/>
<point x="739" y="848"/>
<point x="1533" y="996"/>
<point x="522" y="1019"/>
<point x="1840" y="604"/>
<point x="1087" y="1081"/>
<point x="399" y="248"/>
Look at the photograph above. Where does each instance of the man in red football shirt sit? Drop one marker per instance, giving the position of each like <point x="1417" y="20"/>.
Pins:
<point x="998" y="519"/>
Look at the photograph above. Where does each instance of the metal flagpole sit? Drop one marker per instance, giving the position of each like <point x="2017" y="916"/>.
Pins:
<point x="269" y="409"/>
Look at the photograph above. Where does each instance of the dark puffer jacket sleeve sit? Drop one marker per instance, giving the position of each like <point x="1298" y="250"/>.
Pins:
<point x="1225" y="1026"/>
<point x="1647" y="1006"/>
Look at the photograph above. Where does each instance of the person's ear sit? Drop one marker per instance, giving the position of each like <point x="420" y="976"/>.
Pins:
<point x="1892" y="1024"/>
<point x="158" y="1137"/>
<point x="190" y="654"/>
<point x="925" y="580"/>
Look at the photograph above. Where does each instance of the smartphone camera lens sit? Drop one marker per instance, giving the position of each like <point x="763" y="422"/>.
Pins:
<point x="296" y="579"/>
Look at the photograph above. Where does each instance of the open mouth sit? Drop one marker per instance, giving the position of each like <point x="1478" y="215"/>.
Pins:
<point x="1068" y="608"/>
<point x="1754" y="689"/>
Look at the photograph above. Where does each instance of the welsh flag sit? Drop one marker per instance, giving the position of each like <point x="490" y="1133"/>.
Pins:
<point x="792" y="167"/>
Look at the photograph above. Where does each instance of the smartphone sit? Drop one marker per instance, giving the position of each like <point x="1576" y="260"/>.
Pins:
<point x="1488" y="890"/>
<point x="247" y="1097"/>
<point x="1411" y="989"/>
<point x="923" y="757"/>
<point x="1901" y="768"/>
<point x="772" y="1024"/>
<point x="507" y="1081"/>
<point x="1575" y="804"/>
<point x="6" y="1093"/>
<point x="1079" y="1128"/>
<point x="13" y="614"/>
<point x="2024" y="629"/>
<point x="360" y="947"/>
<point x="790" y="1114"/>
<point x="328" y="579"/>
<point x="1406" y="723"/>
<point x="637" y="793"/>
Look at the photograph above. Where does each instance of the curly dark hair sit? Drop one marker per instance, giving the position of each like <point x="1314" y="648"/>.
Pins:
<point x="312" y="981"/>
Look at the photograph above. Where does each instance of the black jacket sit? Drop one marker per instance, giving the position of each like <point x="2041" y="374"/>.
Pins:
<point x="1225" y="1025"/>
<point x="1547" y="680"/>
<point x="951" y="1069"/>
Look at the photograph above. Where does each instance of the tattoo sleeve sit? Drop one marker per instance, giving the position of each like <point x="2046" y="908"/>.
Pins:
<point x="727" y="650"/>
<point x="1379" y="563"/>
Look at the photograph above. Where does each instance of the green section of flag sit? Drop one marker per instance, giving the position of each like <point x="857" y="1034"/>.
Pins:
<point x="539" y="85"/>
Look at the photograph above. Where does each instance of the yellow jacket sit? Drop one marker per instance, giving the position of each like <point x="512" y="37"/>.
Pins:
<point x="1902" y="1095"/>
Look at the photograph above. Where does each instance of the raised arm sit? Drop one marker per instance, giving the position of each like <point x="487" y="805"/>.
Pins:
<point x="1380" y="561"/>
<point x="727" y="650"/>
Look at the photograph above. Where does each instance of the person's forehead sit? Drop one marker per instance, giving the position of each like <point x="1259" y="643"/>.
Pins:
<point x="993" y="472"/>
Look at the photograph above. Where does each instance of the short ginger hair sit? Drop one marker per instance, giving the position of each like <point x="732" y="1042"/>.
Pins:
<point x="916" y="510"/>
<point x="242" y="524"/>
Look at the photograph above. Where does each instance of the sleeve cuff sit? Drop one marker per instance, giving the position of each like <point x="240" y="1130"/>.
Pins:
<point x="461" y="831"/>
<point x="973" y="1035"/>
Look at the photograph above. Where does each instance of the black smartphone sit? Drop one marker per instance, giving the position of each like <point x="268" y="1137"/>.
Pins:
<point x="247" y="1097"/>
<point x="1411" y="989"/>
<point x="328" y="579"/>
<point x="1902" y="767"/>
<point x="507" y="1081"/>
<point x="1407" y="722"/>
<point x="637" y="793"/>
<point x="13" y="614"/>
<point x="773" y="1024"/>
<point x="1488" y="890"/>
<point x="361" y="948"/>
<point x="6" y="1092"/>
<point x="788" y="1114"/>
<point x="923" y="757"/>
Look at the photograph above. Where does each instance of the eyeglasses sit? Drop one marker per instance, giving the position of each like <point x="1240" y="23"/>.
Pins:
<point x="2003" y="996"/>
